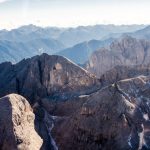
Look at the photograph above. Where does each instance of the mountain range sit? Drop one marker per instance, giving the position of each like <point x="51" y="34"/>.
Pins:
<point x="50" y="102"/>
<point x="15" y="51"/>
<point x="81" y="52"/>
<point x="70" y="108"/>
<point x="31" y="40"/>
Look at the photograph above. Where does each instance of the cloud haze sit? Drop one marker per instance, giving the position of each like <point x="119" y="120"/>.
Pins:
<point x="65" y="13"/>
<point x="2" y="1"/>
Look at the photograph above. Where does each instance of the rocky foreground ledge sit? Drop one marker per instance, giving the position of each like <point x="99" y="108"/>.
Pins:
<point x="17" y="124"/>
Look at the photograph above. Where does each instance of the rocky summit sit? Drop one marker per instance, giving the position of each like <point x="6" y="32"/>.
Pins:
<point x="44" y="76"/>
<point x="73" y="109"/>
<point x="127" y="51"/>
<point x="44" y="80"/>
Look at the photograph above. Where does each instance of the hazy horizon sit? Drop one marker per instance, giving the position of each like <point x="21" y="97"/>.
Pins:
<point x="73" y="27"/>
<point x="70" y="13"/>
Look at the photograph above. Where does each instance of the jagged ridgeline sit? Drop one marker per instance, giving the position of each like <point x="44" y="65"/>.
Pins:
<point x="73" y="109"/>
<point x="126" y="51"/>
<point x="76" y="44"/>
<point x="44" y="76"/>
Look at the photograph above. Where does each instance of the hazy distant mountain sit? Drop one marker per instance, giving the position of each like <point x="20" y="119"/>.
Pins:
<point x="142" y="34"/>
<point x="80" y="53"/>
<point x="68" y="36"/>
<point x="72" y="36"/>
<point x="31" y="40"/>
<point x="15" y="51"/>
<point x="30" y="32"/>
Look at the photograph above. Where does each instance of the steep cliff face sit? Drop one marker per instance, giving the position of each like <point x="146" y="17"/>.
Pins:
<point x="127" y="52"/>
<point x="46" y="76"/>
<point x="115" y="117"/>
<point x="17" y="125"/>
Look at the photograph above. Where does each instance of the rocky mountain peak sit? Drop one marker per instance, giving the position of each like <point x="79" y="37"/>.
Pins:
<point x="46" y="76"/>
<point x="128" y="51"/>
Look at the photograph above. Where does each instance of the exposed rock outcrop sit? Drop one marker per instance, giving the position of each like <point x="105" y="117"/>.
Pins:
<point x="74" y="110"/>
<point x="115" y="117"/>
<point x="125" y="52"/>
<point x="46" y="76"/>
<point x="17" y="125"/>
<point x="123" y="72"/>
<point x="50" y="78"/>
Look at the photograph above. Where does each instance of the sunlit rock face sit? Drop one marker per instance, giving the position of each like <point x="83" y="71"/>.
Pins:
<point x="46" y="76"/>
<point x="125" y="52"/>
<point x="115" y="117"/>
<point x="17" y="125"/>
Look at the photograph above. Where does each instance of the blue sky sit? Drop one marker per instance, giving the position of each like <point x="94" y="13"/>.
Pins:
<point x="65" y="13"/>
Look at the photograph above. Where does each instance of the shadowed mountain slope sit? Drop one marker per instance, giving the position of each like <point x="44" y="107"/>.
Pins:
<point x="46" y="76"/>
